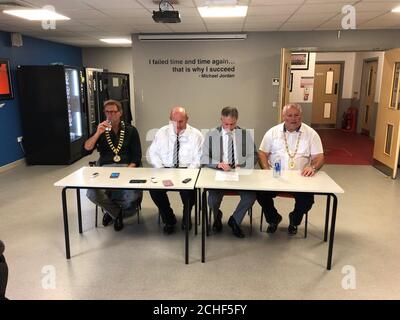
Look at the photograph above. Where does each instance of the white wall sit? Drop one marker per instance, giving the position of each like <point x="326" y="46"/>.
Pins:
<point x="115" y="60"/>
<point x="297" y="94"/>
<point x="359" y="61"/>
<point x="349" y="60"/>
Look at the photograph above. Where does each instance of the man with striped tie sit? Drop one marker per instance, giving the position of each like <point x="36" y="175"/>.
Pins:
<point x="176" y="145"/>
<point x="225" y="148"/>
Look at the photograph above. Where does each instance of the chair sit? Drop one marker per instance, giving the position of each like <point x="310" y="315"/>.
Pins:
<point x="249" y="212"/>
<point x="138" y="202"/>
<point x="197" y="211"/>
<point x="285" y="195"/>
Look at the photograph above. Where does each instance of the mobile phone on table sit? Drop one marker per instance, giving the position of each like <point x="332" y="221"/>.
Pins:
<point x="167" y="183"/>
<point x="186" y="180"/>
<point x="114" y="175"/>
<point x="137" y="181"/>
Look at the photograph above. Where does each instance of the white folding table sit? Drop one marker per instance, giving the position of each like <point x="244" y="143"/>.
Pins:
<point x="262" y="180"/>
<point x="83" y="179"/>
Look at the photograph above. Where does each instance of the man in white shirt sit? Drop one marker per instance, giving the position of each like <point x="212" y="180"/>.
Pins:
<point x="176" y="145"/>
<point x="225" y="148"/>
<point x="298" y="147"/>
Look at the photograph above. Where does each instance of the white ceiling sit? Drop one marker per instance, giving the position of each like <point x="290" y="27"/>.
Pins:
<point x="95" y="19"/>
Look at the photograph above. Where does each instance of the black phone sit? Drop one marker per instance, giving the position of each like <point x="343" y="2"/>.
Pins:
<point x="137" y="181"/>
<point x="114" y="175"/>
<point x="186" y="180"/>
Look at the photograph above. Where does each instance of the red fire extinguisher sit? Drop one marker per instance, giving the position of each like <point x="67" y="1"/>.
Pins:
<point x="349" y="123"/>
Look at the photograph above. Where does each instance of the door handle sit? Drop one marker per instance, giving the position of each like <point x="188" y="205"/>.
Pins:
<point x="336" y="85"/>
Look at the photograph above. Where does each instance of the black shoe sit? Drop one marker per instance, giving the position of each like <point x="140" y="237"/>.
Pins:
<point x="217" y="225"/>
<point x="235" y="228"/>
<point x="169" y="229"/>
<point x="273" y="226"/>
<point x="292" y="230"/>
<point x="119" y="223"/>
<point x="107" y="219"/>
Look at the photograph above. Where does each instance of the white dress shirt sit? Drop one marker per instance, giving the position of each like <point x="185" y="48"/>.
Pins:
<point x="225" y="140"/>
<point x="161" y="151"/>
<point x="274" y="143"/>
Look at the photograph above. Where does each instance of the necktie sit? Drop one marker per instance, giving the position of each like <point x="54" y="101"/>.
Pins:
<point x="176" y="153"/>
<point x="231" y="151"/>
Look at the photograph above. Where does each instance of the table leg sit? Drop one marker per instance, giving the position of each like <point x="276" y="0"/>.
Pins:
<point x="78" y="199"/>
<point x="65" y="215"/>
<point x="204" y="223"/>
<point x="328" y="209"/>
<point x="187" y="213"/>
<point x="332" y="233"/>
<point x="195" y="211"/>
<point x="199" y="197"/>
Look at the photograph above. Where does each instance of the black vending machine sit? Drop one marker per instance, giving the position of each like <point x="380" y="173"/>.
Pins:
<point x="53" y="114"/>
<point x="112" y="85"/>
<point x="91" y="100"/>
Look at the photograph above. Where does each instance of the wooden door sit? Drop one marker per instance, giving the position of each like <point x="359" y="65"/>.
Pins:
<point x="367" y="97"/>
<point x="387" y="134"/>
<point x="285" y="81"/>
<point x="326" y="95"/>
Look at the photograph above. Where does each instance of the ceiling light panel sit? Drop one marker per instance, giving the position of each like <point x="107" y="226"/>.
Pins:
<point x="36" y="14"/>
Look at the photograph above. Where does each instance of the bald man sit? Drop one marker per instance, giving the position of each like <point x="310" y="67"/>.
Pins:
<point x="176" y="145"/>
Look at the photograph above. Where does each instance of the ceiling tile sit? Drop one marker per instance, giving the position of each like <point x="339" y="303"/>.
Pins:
<point x="273" y="18"/>
<point x="377" y="6"/>
<point x="113" y="4"/>
<point x="83" y="14"/>
<point x="60" y="4"/>
<point x="271" y="10"/>
<point x="331" y="8"/>
<point x="314" y="17"/>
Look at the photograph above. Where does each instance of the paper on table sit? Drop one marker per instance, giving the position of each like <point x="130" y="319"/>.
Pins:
<point x="226" y="176"/>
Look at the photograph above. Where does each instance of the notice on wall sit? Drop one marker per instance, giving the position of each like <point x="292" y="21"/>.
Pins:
<point x="307" y="82"/>
<point x="220" y="68"/>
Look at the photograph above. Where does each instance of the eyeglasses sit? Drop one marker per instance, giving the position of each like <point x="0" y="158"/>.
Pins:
<point x="110" y="111"/>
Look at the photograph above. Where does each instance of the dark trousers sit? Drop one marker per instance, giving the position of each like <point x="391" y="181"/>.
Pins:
<point x="161" y="200"/>
<point x="3" y="277"/>
<point x="303" y="203"/>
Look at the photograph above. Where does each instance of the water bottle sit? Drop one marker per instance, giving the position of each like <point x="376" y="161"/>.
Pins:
<point x="277" y="167"/>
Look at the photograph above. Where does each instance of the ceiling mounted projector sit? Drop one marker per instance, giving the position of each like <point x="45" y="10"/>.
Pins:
<point x="166" y="13"/>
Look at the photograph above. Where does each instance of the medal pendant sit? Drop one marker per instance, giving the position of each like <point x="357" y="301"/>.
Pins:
<point x="291" y="164"/>
<point x="117" y="158"/>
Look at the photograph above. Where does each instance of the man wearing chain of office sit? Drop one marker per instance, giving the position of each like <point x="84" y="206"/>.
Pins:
<point x="298" y="147"/>
<point x="119" y="146"/>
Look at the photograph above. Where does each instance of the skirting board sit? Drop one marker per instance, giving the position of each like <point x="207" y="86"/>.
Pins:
<point x="12" y="165"/>
<point x="382" y="168"/>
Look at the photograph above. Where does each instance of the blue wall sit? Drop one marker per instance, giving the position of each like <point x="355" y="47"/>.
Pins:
<point x="33" y="52"/>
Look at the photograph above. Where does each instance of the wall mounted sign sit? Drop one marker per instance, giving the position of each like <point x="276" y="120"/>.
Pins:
<point x="306" y="82"/>
<point x="201" y="67"/>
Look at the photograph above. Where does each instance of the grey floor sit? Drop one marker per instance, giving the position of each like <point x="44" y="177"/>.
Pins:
<point x="140" y="262"/>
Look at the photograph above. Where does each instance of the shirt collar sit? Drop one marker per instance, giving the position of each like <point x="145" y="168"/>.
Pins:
<point x="183" y="133"/>
<point x="225" y="132"/>
<point x="299" y="129"/>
